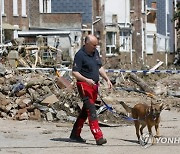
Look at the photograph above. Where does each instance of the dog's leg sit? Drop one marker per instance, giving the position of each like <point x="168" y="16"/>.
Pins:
<point x="137" y="124"/>
<point x="150" y="134"/>
<point x="142" y="127"/>
<point x="157" y="130"/>
<point x="149" y="129"/>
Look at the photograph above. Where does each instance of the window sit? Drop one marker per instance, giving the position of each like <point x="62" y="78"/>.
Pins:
<point x="167" y="6"/>
<point x="2" y="11"/>
<point x="45" y="6"/>
<point x="124" y="40"/>
<point x="110" y="43"/>
<point x="24" y="8"/>
<point x="15" y="7"/>
<point x="142" y="6"/>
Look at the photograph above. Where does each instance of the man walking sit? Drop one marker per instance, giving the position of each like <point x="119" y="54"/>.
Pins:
<point x="87" y="67"/>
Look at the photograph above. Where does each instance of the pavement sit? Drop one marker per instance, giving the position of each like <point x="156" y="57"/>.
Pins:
<point x="37" y="137"/>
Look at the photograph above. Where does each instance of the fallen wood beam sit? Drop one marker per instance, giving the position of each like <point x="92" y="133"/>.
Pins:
<point x="22" y="61"/>
<point x="156" y="66"/>
<point x="141" y="83"/>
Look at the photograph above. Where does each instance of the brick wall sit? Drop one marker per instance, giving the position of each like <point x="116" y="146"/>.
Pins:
<point x="59" y="21"/>
<point x="34" y="13"/>
<point x="23" y="22"/>
<point x="53" y="20"/>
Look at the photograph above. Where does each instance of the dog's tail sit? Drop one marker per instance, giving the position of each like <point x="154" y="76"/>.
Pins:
<point x="126" y="107"/>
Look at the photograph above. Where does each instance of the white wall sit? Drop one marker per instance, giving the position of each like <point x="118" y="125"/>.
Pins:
<point x="162" y="43"/>
<point x="149" y="44"/>
<point x="151" y="30"/>
<point x="119" y="7"/>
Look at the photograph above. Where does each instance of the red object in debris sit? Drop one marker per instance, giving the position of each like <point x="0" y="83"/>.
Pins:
<point x="63" y="83"/>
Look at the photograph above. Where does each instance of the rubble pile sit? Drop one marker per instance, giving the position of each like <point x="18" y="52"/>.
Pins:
<point x="19" y="53"/>
<point x="36" y="96"/>
<point x="47" y="95"/>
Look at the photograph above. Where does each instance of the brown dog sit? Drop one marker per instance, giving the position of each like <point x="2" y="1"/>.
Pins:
<point x="145" y="115"/>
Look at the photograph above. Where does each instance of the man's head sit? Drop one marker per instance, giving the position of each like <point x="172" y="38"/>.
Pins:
<point x="90" y="43"/>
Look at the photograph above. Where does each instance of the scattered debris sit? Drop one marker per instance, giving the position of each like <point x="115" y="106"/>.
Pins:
<point x="143" y="85"/>
<point x="51" y="95"/>
<point x="157" y="65"/>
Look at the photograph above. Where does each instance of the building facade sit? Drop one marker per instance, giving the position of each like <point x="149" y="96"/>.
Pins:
<point x="15" y="16"/>
<point x="138" y="31"/>
<point x="165" y="39"/>
<point x="165" y="26"/>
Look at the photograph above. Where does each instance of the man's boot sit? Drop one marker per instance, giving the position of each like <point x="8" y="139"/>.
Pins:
<point x="75" y="133"/>
<point x="101" y="141"/>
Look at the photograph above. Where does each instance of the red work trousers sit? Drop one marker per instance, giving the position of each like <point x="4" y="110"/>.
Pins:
<point x="88" y="95"/>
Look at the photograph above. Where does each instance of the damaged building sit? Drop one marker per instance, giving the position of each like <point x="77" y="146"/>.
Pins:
<point x="131" y="31"/>
<point x="47" y="33"/>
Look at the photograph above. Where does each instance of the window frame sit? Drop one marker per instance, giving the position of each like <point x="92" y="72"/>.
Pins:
<point x="110" y="47"/>
<point x="45" y="6"/>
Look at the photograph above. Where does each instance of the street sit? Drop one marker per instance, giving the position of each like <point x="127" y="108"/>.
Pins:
<point x="27" y="137"/>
